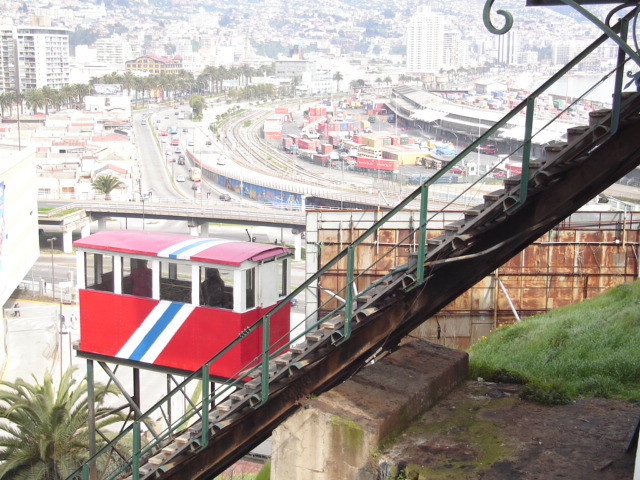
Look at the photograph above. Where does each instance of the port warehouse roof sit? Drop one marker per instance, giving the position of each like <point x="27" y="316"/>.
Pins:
<point x="427" y="107"/>
<point x="182" y="247"/>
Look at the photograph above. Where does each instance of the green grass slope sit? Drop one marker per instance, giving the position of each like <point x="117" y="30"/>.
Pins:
<point x="590" y="349"/>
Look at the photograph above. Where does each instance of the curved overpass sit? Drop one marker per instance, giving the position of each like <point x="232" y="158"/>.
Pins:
<point x="79" y="215"/>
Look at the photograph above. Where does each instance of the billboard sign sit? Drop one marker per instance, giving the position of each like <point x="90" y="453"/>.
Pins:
<point x="107" y="89"/>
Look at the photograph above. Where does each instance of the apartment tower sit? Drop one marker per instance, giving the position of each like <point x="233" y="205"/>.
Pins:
<point x="425" y="41"/>
<point x="42" y="53"/>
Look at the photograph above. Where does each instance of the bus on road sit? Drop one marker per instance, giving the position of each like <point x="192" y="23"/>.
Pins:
<point x="195" y="173"/>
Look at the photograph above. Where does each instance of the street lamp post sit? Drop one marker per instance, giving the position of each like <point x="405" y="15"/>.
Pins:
<point x="455" y="135"/>
<point x="53" y="276"/>
<point x="53" y="290"/>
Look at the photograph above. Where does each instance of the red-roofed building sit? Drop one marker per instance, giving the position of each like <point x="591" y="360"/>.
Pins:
<point x="155" y="65"/>
<point x="109" y="138"/>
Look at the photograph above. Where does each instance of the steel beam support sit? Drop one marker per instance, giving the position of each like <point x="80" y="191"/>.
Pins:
<point x="422" y="237"/>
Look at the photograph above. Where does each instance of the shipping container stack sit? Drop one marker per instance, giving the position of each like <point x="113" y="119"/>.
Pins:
<point x="344" y="128"/>
<point x="308" y="144"/>
<point x="404" y="154"/>
<point x="325" y="148"/>
<point x="334" y="138"/>
<point x="321" y="159"/>
<point x="272" y="126"/>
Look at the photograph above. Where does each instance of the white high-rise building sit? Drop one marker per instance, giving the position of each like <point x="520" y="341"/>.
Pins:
<point x="43" y="54"/>
<point x="425" y="41"/>
<point x="454" y="53"/>
<point x="508" y="48"/>
<point x="113" y="51"/>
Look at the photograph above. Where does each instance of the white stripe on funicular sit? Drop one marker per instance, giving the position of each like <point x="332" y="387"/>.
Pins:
<point x="167" y="334"/>
<point x="186" y="249"/>
<point x="144" y="328"/>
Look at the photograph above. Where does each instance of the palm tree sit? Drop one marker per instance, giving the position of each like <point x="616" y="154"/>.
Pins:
<point x="18" y="100"/>
<point x="338" y="77"/>
<point x="67" y="94"/>
<point x="81" y="90"/>
<point x="128" y="82"/>
<point x="56" y="99"/>
<point x="139" y="85"/>
<point x="247" y="72"/>
<point x="106" y="184"/>
<point x="152" y="84"/>
<point x="223" y="74"/>
<point x="387" y="80"/>
<point x="6" y="102"/>
<point x="208" y="75"/>
<point x="34" y="99"/>
<point x="49" y="95"/>
<point x="45" y="433"/>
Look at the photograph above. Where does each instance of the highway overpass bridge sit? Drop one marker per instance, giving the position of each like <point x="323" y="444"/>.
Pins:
<point x="68" y="217"/>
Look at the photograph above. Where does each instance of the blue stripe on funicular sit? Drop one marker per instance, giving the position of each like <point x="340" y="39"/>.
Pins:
<point x="155" y="331"/>
<point x="188" y="247"/>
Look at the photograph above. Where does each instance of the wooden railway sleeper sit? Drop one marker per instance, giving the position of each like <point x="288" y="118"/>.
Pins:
<point x="473" y="212"/>
<point x="491" y="198"/>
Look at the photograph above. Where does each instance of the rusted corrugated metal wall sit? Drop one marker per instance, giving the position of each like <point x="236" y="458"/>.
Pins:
<point x="586" y="254"/>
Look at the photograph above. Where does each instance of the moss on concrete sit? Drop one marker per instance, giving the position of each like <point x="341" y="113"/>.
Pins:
<point x="464" y="443"/>
<point x="349" y="431"/>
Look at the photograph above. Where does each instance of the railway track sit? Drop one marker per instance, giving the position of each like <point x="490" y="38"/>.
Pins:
<point x="252" y="152"/>
<point x="249" y="150"/>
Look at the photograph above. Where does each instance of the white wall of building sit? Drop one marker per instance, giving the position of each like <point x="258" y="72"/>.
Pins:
<point x="19" y="242"/>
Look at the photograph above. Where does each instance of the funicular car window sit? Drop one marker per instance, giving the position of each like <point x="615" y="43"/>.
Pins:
<point x="250" y="288"/>
<point x="282" y="275"/>
<point x="175" y="282"/>
<point x="99" y="272"/>
<point x="216" y="287"/>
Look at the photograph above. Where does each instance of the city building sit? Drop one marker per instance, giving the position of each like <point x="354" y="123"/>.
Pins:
<point x="455" y="50"/>
<point x="113" y="51"/>
<point x="155" y="65"/>
<point x="303" y="71"/>
<point x="43" y="54"/>
<point x="562" y="52"/>
<point x="425" y="41"/>
<point x="508" y="48"/>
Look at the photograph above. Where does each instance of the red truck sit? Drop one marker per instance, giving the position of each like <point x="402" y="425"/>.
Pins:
<point x="488" y="149"/>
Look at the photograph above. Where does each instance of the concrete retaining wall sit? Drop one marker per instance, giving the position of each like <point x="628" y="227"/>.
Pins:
<point x="337" y="435"/>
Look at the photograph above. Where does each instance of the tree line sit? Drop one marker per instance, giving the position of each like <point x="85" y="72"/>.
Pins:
<point x="167" y="86"/>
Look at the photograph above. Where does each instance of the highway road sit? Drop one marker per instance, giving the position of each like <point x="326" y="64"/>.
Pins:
<point x="157" y="162"/>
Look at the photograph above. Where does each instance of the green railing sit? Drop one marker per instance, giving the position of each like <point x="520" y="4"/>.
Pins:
<point x="127" y="451"/>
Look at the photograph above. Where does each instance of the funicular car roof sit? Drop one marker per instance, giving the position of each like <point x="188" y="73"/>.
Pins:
<point x="180" y="246"/>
